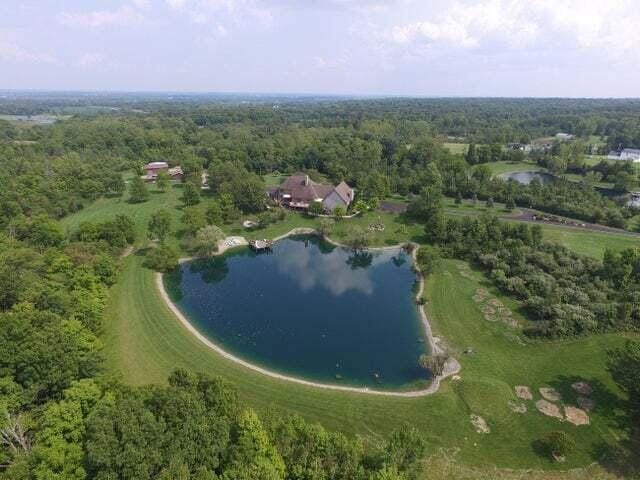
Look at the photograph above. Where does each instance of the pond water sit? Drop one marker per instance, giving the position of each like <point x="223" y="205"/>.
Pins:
<point x="526" y="178"/>
<point x="310" y="310"/>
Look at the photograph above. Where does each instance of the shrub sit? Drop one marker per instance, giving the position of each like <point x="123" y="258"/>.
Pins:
<point x="434" y="363"/>
<point x="316" y="208"/>
<point x="339" y="212"/>
<point x="325" y="226"/>
<point x="162" y="259"/>
<point x="557" y="445"/>
<point x="206" y="242"/>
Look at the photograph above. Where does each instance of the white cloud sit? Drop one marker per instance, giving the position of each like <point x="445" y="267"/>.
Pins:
<point x="12" y="53"/>
<point x="467" y="25"/>
<point x="608" y="27"/>
<point x="125" y="15"/>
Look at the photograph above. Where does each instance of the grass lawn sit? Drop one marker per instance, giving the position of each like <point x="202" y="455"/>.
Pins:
<point x="500" y="168"/>
<point x="273" y="179"/>
<point x="589" y="243"/>
<point x="107" y="208"/>
<point x="592" y="160"/>
<point x="456" y="148"/>
<point x="144" y="343"/>
<point x="466" y="207"/>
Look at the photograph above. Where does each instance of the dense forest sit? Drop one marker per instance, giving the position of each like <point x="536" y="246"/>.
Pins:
<point x="63" y="416"/>
<point x="60" y="167"/>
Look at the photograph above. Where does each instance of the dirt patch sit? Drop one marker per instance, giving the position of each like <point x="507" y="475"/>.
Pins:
<point x="550" y="394"/>
<point x="586" y="404"/>
<point x="392" y="207"/>
<point x="577" y="416"/>
<point x="523" y="392"/>
<point x="480" y="424"/>
<point x="517" y="407"/>
<point x="465" y="272"/>
<point x="549" y="409"/>
<point x="493" y="309"/>
<point x="583" y="388"/>
<point x="483" y="292"/>
<point x="494" y="302"/>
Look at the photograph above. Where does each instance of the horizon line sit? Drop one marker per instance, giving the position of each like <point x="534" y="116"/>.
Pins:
<point x="105" y="92"/>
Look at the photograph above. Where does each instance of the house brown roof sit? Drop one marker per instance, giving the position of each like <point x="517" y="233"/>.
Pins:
<point x="345" y="192"/>
<point x="301" y="187"/>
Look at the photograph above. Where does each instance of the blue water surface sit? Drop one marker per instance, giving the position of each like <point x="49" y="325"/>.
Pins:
<point x="311" y="310"/>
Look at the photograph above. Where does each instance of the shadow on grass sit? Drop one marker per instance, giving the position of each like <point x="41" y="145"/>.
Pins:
<point x="617" y="457"/>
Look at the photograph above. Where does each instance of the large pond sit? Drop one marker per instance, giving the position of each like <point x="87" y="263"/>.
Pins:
<point x="310" y="310"/>
<point x="526" y="178"/>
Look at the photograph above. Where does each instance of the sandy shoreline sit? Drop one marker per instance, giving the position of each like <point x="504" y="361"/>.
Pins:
<point x="451" y="368"/>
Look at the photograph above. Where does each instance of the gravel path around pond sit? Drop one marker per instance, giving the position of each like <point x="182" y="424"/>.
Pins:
<point x="451" y="367"/>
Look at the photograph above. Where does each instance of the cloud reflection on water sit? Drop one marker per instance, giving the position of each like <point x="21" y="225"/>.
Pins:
<point x="334" y="272"/>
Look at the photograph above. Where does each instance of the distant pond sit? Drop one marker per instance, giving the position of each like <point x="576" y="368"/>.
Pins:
<point x="526" y="178"/>
<point x="310" y="310"/>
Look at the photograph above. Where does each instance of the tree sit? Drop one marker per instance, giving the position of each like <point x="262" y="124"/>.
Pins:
<point x="162" y="181"/>
<point x="429" y="202"/>
<point x="160" y="225"/>
<point x="339" y="212"/>
<point x="252" y="455"/>
<point x="510" y="204"/>
<point x="115" y="184"/>
<point x="325" y="226"/>
<point x="428" y="259"/>
<point x="249" y="194"/>
<point x="138" y="192"/>
<point x="558" y="445"/>
<point x="164" y="259"/>
<point x="229" y="211"/>
<point x="471" y="156"/>
<point x="404" y="449"/>
<point x="624" y="366"/>
<point x="458" y="198"/>
<point x="316" y="208"/>
<point x="436" y="227"/>
<point x="190" y="194"/>
<point x="213" y="214"/>
<point x="193" y="219"/>
<point x="434" y="363"/>
<point x="489" y="203"/>
<point x="39" y="231"/>
<point x="206" y="242"/>
<point x="357" y="238"/>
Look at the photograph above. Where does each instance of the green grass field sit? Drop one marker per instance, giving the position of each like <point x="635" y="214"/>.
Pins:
<point x="144" y="342"/>
<point x="589" y="243"/>
<point x="500" y="168"/>
<point x="456" y="148"/>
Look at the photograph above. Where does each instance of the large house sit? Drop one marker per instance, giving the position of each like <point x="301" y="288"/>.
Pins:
<point x="152" y="169"/>
<point x="625" y="154"/>
<point x="299" y="192"/>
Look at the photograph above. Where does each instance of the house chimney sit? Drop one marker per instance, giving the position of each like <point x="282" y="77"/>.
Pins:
<point x="306" y="179"/>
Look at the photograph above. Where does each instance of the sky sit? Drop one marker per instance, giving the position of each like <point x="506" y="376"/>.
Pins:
<point x="498" y="48"/>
